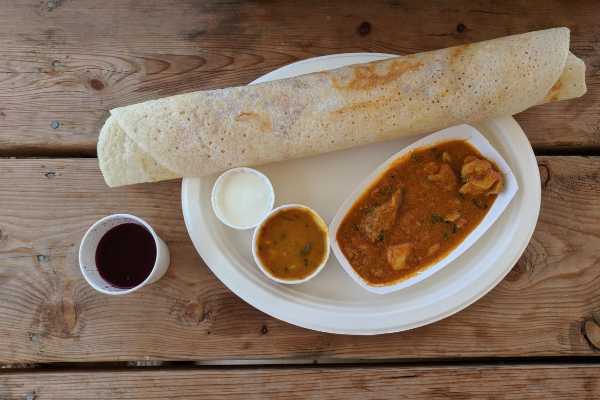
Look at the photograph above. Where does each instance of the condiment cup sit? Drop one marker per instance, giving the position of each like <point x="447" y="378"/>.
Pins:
<point x="216" y="190"/>
<point x="317" y="219"/>
<point x="89" y="245"/>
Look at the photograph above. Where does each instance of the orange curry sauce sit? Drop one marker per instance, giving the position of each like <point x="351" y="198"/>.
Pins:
<point x="418" y="211"/>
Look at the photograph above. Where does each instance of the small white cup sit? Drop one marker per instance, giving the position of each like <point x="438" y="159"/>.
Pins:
<point x="217" y="191"/>
<point x="317" y="218"/>
<point x="89" y="244"/>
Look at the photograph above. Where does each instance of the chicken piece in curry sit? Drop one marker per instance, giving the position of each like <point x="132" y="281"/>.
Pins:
<point x="418" y="211"/>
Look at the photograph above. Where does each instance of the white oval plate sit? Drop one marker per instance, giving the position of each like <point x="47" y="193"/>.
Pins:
<point x="333" y="302"/>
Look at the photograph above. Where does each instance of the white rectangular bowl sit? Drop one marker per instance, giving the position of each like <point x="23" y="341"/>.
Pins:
<point x="459" y="132"/>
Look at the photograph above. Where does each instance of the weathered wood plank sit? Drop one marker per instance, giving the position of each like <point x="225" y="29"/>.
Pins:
<point x="504" y="382"/>
<point x="70" y="62"/>
<point x="48" y="312"/>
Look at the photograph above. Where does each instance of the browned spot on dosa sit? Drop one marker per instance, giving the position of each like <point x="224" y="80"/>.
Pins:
<point x="262" y="121"/>
<point x="363" y="105"/>
<point x="553" y="92"/>
<point x="366" y="77"/>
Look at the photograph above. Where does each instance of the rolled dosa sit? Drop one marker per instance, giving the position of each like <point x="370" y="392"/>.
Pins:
<point x="201" y="133"/>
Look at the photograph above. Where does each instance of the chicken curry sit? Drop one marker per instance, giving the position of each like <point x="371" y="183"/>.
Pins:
<point x="418" y="211"/>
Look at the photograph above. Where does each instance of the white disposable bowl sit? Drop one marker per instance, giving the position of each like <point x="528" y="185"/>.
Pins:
<point x="459" y="132"/>
<point x="215" y="192"/>
<point x="317" y="219"/>
<point x="89" y="244"/>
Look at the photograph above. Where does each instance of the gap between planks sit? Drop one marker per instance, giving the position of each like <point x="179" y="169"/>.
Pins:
<point x="307" y="363"/>
<point x="51" y="153"/>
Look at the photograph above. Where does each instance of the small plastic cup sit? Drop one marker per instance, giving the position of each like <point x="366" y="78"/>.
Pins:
<point x="89" y="244"/>
<point x="217" y="192"/>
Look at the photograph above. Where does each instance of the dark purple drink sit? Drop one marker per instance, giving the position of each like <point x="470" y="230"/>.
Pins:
<point x="126" y="255"/>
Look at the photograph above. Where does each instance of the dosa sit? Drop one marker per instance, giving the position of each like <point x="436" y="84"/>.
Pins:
<point x="205" y="132"/>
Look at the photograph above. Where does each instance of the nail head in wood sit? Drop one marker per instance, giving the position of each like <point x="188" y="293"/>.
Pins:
<point x="364" y="29"/>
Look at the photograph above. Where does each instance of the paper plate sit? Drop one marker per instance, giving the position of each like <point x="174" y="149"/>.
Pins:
<point x="332" y="301"/>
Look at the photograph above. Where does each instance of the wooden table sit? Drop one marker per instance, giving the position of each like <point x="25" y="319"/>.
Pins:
<point x="65" y="63"/>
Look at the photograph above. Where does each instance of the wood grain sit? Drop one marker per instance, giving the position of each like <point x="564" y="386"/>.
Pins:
<point x="49" y="313"/>
<point x="64" y="64"/>
<point x="497" y="382"/>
